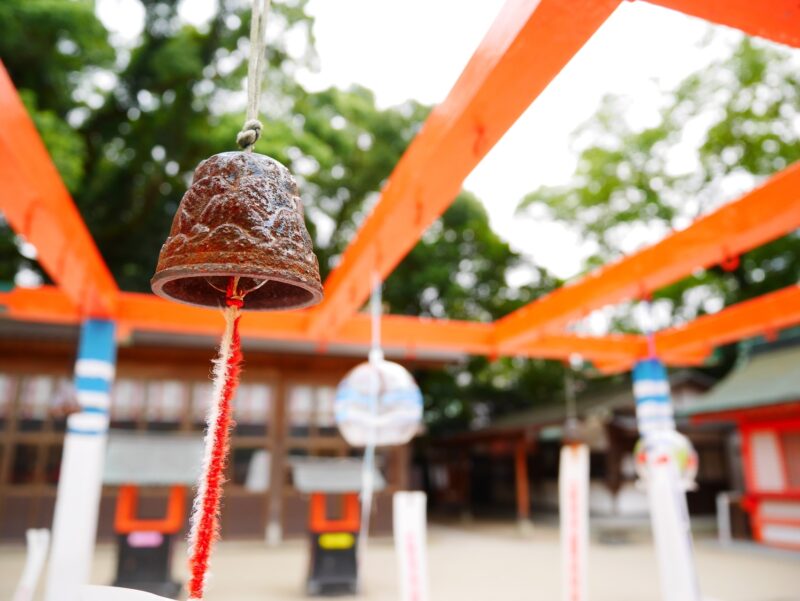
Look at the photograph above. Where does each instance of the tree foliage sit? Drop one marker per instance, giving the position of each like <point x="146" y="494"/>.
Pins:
<point x="721" y="131"/>
<point x="126" y="124"/>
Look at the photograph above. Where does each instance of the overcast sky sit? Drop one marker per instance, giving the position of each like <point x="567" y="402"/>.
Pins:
<point x="417" y="49"/>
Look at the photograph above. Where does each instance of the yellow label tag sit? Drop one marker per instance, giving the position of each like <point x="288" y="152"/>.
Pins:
<point x="336" y="540"/>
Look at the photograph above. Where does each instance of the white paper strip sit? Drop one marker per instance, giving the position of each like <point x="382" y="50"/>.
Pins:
<point x="38" y="544"/>
<point x="573" y="503"/>
<point x="410" y="545"/>
<point x="669" y="516"/>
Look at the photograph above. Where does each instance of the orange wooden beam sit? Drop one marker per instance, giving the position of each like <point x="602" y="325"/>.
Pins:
<point x="763" y="315"/>
<point x="36" y="204"/>
<point x="610" y="348"/>
<point x="526" y="47"/>
<point x="687" y="358"/>
<point x="146" y="312"/>
<point x="776" y="20"/>
<point x="686" y="345"/>
<point x="694" y="342"/>
<point x="768" y="212"/>
<point x="151" y="313"/>
<point x="47" y="304"/>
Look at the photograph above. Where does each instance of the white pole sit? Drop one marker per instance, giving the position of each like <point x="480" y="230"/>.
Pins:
<point x="80" y="481"/>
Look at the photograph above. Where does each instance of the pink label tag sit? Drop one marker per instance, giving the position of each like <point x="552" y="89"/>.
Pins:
<point x="145" y="539"/>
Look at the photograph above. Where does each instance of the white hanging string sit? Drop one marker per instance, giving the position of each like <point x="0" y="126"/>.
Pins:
<point x="376" y="310"/>
<point x="368" y="464"/>
<point x="649" y="328"/>
<point x="251" y="131"/>
<point x="569" y="393"/>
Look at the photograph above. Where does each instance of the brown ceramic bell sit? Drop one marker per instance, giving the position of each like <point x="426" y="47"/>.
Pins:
<point x="242" y="217"/>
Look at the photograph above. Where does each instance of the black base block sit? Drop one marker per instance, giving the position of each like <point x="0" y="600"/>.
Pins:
<point x="170" y="590"/>
<point x="144" y="563"/>
<point x="334" y="568"/>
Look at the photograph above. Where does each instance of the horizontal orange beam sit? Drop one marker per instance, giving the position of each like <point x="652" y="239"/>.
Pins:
<point x="693" y="343"/>
<point x="620" y="348"/>
<point x="525" y="48"/>
<point x="763" y="315"/>
<point x="767" y="212"/>
<point x="146" y="312"/>
<point x="685" y="345"/>
<point x="776" y="20"/>
<point x="38" y="206"/>
<point x="151" y="313"/>
<point x="688" y="358"/>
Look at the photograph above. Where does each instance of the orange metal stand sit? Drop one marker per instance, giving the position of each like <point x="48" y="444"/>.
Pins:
<point x="319" y="522"/>
<point x="125" y="520"/>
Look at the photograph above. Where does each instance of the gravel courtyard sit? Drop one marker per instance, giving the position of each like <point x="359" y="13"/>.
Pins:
<point x="485" y="562"/>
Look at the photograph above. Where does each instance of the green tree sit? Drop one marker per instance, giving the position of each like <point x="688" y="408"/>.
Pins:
<point x="458" y="271"/>
<point x="722" y="130"/>
<point x="49" y="58"/>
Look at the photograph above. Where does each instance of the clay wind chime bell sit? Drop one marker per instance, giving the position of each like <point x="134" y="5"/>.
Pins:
<point x="238" y="241"/>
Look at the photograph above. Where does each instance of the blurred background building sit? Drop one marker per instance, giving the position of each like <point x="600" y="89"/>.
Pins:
<point x="284" y="410"/>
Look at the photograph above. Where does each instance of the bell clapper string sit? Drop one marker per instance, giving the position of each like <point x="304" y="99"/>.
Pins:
<point x="242" y="291"/>
<point x="368" y="464"/>
<point x="251" y="130"/>
<point x="204" y="530"/>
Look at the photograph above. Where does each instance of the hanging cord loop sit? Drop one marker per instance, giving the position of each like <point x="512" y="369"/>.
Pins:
<point x="251" y="131"/>
<point x="368" y="464"/>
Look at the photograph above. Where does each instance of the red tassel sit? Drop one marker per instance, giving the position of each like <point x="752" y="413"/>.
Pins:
<point x="207" y="528"/>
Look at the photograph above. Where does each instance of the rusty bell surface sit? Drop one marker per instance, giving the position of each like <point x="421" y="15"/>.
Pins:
<point x="242" y="216"/>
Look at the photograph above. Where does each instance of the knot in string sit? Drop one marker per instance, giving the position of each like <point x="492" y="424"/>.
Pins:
<point x="234" y="301"/>
<point x="251" y="131"/>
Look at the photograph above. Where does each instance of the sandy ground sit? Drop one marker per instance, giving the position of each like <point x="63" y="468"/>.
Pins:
<point x="480" y="563"/>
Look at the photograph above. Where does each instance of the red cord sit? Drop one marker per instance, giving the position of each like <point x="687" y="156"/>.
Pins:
<point x="208" y="523"/>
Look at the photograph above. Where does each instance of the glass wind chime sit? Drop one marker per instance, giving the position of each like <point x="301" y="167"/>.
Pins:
<point x="378" y="403"/>
<point x="666" y="464"/>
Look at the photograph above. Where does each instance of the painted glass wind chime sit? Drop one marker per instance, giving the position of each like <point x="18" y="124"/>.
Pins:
<point x="666" y="464"/>
<point x="238" y="241"/>
<point x="378" y="403"/>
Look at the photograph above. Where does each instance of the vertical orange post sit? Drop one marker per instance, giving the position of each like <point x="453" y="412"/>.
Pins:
<point x="521" y="480"/>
